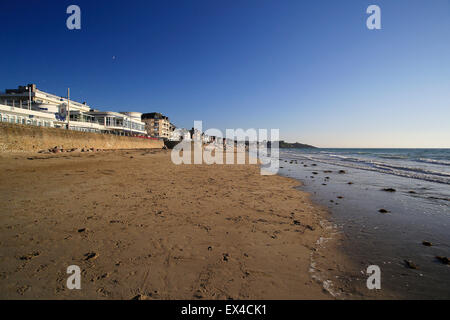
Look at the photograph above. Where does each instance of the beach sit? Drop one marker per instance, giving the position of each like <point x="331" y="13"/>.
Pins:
<point x="141" y="227"/>
<point x="225" y="158"/>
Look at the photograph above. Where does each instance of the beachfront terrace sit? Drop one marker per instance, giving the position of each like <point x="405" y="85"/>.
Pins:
<point x="118" y="123"/>
<point x="24" y="116"/>
<point x="28" y="105"/>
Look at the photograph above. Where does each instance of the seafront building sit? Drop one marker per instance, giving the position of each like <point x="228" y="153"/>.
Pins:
<point x="180" y="134"/>
<point x="157" y="125"/>
<point x="196" y="135"/>
<point x="121" y="123"/>
<point x="29" y="105"/>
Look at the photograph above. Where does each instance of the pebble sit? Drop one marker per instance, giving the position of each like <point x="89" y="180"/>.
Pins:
<point x="410" y="264"/>
<point x="444" y="260"/>
<point x="91" y="256"/>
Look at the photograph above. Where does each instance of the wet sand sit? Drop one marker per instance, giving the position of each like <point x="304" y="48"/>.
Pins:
<point x="414" y="228"/>
<point x="139" y="226"/>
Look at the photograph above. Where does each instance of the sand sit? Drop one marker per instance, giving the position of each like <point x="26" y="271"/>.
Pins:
<point x="139" y="226"/>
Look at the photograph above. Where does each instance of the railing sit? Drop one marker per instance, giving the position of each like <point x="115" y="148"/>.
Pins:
<point x="11" y="114"/>
<point x="91" y="121"/>
<point x="15" y="119"/>
<point x="61" y="99"/>
<point x="14" y="104"/>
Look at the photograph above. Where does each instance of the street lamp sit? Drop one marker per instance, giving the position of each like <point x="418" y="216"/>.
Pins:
<point x="68" y="108"/>
<point x="29" y="97"/>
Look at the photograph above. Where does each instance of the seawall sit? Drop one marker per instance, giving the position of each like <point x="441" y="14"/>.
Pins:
<point x="25" y="138"/>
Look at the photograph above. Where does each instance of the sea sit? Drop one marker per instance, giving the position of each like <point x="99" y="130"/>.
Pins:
<point x="411" y="187"/>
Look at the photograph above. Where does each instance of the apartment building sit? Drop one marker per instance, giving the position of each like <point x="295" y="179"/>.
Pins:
<point x="157" y="125"/>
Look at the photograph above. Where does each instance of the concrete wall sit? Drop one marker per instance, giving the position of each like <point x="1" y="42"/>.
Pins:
<point x="24" y="138"/>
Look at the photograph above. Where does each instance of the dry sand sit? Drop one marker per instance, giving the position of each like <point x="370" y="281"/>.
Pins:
<point x="158" y="230"/>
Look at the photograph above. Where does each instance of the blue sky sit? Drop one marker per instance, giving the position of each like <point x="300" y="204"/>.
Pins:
<point x="310" y="68"/>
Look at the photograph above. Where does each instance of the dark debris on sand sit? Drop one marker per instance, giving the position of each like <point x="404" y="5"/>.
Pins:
<point x="409" y="264"/>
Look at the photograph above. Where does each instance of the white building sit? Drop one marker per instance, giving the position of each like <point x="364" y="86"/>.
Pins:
<point x="28" y="105"/>
<point x="195" y="134"/>
<point x="180" y="134"/>
<point x="121" y="123"/>
<point x="206" y="138"/>
<point x="24" y="116"/>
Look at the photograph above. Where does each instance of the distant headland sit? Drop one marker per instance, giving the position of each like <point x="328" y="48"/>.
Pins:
<point x="295" y="145"/>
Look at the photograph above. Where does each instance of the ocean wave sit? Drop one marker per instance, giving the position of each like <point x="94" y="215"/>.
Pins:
<point x="412" y="169"/>
<point x="434" y="161"/>
<point x="379" y="166"/>
<point x="385" y="156"/>
<point x="345" y="158"/>
<point x="385" y="165"/>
